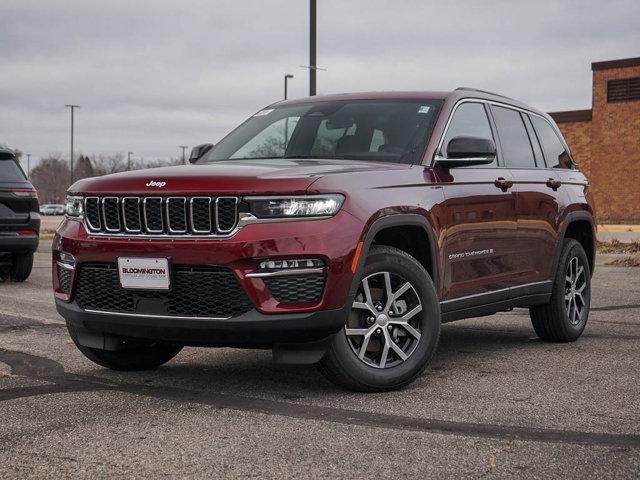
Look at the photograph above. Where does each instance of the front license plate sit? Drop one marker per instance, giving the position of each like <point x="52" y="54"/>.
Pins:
<point x="144" y="273"/>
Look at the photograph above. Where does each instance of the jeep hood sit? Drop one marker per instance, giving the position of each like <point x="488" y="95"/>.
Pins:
<point x="291" y="176"/>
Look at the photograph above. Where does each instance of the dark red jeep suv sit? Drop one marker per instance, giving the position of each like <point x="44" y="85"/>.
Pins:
<point x="340" y="230"/>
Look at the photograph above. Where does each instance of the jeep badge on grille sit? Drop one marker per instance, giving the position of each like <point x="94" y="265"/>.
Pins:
<point x="153" y="183"/>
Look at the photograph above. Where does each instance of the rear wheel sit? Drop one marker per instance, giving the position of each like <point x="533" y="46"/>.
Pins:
<point x="21" y="267"/>
<point x="393" y="328"/>
<point x="139" y="355"/>
<point x="564" y="318"/>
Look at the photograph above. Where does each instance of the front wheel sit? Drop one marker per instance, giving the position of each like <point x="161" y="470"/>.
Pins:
<point x="393" y="328"/>
<point x="140" y="355"/>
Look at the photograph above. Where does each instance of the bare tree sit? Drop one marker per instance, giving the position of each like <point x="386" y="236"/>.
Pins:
<point x="51" y="179"/>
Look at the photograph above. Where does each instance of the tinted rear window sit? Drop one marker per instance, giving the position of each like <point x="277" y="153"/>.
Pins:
<point x="554" y="151"/>
<point x="514" y="140"/>
<point x="10" y="172"/>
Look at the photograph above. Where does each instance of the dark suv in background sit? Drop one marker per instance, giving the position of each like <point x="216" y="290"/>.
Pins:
<point x="339" y="230"/>
<point x="19" y="219"/>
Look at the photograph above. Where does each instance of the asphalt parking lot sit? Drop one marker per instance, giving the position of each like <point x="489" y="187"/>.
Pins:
<point x="496" y="402"/>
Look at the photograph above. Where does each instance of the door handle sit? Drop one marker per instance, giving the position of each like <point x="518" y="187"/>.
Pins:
<point x="503" y="184"/>
<point x="553" y="183"/>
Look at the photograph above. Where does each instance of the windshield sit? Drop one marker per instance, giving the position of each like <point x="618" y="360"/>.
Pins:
<point x="379" y="130"/>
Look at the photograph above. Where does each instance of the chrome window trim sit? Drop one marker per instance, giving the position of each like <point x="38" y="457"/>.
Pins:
<point x="193" y="227"/>
<point x="124" y="215"/>
<point x="86" y="217"/>
<point x="144" y="209"/>
<point x="104" y="217"/>
<point x="184" y="208"/>
<point x="223" y="231"/>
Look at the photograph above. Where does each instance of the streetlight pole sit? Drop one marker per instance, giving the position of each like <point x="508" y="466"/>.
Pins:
<point x="129" y="160"/>
<point x="183" y="147"/>
<point x="312" y="48"/>
<point x="28" y="164"/>
<point x="72" y="107"/>
<point x="286" y="78"/>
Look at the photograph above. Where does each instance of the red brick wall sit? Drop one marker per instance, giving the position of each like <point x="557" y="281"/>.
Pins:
<point x="607" y="148"/>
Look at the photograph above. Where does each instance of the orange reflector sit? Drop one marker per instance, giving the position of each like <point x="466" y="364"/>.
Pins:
<point x="354" y="264"/>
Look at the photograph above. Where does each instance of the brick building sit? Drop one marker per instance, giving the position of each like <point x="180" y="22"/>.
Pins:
<point x="605" y="141"/>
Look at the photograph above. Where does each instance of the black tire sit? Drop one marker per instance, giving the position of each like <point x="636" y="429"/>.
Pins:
<point x="21" y="267"/>
<point x="552" y="322"/>
<point x="140" y="355"/>
<point x="342" y="366"/>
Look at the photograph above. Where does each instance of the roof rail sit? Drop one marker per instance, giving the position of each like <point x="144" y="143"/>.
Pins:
<point x="483" y="91"/>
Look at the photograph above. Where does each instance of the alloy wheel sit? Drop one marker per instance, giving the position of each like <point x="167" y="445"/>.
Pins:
<point x="575" y="291"/>
<point x="385" y="324"/>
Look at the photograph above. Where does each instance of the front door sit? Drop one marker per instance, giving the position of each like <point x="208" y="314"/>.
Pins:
<point x="479" y="217"/>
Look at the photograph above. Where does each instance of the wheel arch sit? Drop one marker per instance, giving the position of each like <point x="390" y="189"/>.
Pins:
<point x="408" y="227"/>
<point x="579" y="226"/>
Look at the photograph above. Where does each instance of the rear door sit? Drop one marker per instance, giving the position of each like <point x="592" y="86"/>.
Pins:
<point x="16" y="193"/>
<point x="537" y="196"/>
<point x="479" y="215"/>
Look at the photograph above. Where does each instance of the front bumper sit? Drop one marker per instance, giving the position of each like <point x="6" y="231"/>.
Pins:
<point x="269" y="322"/>
<point x="250" y="330"/>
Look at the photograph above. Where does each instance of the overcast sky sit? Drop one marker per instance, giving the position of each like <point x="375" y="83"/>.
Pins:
<point x="152" y="75"/>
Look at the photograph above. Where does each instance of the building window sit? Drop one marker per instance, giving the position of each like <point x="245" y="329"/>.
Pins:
<point x="623" y="90"/>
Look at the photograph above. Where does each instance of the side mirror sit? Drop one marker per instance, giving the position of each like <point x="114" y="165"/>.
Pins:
<point x="198" y="152"/>
<point x="466" y="151"/>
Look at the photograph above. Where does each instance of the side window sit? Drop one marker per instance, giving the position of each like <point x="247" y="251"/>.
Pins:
<point x="535" y="142"/>
<point x="554" y="151"/>
<point x="469" y="120"/>
<point x="270" y="142"/>
<point x="514" y="140"/>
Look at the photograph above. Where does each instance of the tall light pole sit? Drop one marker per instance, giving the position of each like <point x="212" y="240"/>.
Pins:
<point x="286" y="78"/>
<point x="129" y="160"/>
<point x="183" y="147"/>
<point x="312" y="48"/>
<point x="72" y="107"/>
<point x="28" y="164"/>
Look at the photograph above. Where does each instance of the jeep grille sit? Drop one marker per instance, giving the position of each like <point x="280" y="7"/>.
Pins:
<point x="151" y="216"/>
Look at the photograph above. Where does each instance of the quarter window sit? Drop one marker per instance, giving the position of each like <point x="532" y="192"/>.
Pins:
<point x="469" y="120"/>
<point x="514" y="140"/>
<point x="554" y="151"/>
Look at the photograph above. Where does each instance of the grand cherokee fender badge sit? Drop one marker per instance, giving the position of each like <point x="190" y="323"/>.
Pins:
<point x="153" y="183"/>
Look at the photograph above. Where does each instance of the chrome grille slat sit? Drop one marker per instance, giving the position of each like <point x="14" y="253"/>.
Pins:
<point x="153" y="221"/>
<point x="92" y="213"/>
<point x="226" y="213"/>
<point x="200" y="214"/>
<point x="176" y="211"/>
<point x="111" y="214"/>
<point x="154" y="216"/>
<point x="131" y="214"/>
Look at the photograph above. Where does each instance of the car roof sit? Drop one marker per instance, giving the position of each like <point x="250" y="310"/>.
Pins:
<point x="452" y="96"/>
<point x="6" y="151"/>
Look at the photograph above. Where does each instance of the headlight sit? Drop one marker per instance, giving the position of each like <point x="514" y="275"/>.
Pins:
<point x="295" y="206"/>
<point x="74" y="206"/>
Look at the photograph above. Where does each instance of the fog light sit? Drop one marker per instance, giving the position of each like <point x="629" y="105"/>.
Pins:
<point x="66" y="261"/>
<point x="287" y="264"/>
